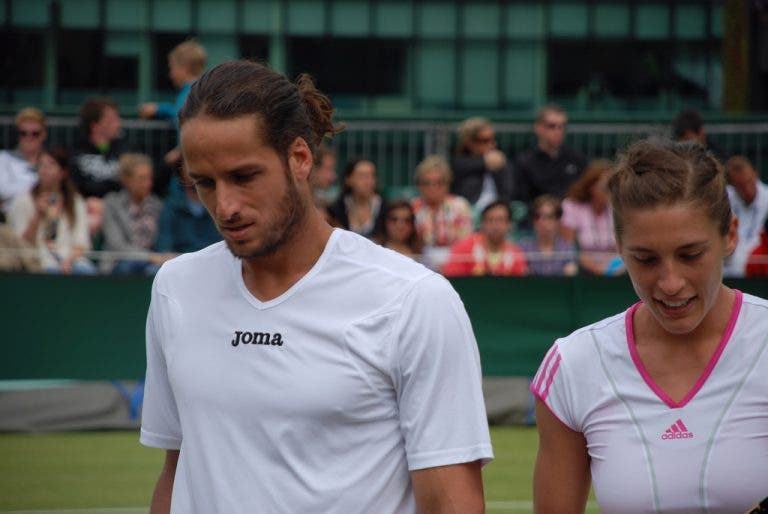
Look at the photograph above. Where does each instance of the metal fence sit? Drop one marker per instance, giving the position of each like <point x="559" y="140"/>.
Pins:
<point x="397" y="146"/>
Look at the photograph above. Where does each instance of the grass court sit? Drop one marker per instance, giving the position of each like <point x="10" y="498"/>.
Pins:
<point x="111" y="473"/>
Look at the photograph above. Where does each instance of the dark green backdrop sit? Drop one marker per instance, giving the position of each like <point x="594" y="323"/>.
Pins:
<point x="93" y="327"/>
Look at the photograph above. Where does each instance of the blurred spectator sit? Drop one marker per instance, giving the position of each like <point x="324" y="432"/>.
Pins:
<point x="749" y="202"/>
<point x="323" y="178"/>
<point x="488" y="252"/>
<point x="96" y="155"/>
<point x="481" y="173"/>
<point x="186" y="63"/>
<point x="757" y="265"/>
<point x="588" y="220"/>
<point x="359" y="207"/>
<point x="550" y="167"/>
<point x="184" y="225"/>
<point x="52" y="217"/>
<point x="546" y="252"/>
<point x="688" y="125"/>
<point x="131" y="216"/>
<point x="17" y="167"/>
<point x="16" y="254"/>
<point x="441" y="218"/>
<point x="399" y="229"/>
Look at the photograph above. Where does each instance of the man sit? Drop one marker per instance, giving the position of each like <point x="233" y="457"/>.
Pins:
<point x="18" y="167"/>
<point x="688" y="125"/>
<point x="549" y="167"/>
<point x="488" y="252"/>
<point x="749" y="202"/>
<point x="294" y="367"/>
<point x="96" y="166"/>
<point x="323" y="178"/>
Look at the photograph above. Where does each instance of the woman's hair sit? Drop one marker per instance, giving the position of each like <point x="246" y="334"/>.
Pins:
<point x="130" y="161"/>
<point x="580" y="191"/>
<point x="653" y="173"/>
<point x="92" y="109"/>
<point x="30" y="114"/>
<point x="349" y="169"/>
<point x="434" y="162"/>
<point x="468" y="130"/>
<point x="414" y="242"/>
<point x="67" y="188"/>
<point x="286" y="110"/>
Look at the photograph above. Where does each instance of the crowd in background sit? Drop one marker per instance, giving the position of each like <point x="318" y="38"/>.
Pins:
<point x="545" y="211"/>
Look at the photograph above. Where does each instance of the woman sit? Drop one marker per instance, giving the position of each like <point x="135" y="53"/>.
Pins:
<point x="52" y="216"/>
<point x="665" y="406"/>
<point x="588" y="221"/>
<point x="399" y="231"/>
<point x="359" y="207"/>
<point x="546" y="252"/>
<point x="481" y="173"/>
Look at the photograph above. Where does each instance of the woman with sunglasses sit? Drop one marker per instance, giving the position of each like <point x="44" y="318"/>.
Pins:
<point x="481" y="172"/>
<point x="399" y="229"/>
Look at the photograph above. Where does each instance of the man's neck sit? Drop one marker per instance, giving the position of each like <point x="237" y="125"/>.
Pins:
<point x="553" y="152"/>
<point x="270" y="276"/>
<point x="31" y="156"/>
<point x="99" y="141"/>
<point x="493" y="247"/>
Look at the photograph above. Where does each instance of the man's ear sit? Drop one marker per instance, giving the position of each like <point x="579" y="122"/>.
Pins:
<point x="300" y="159"/>
<point x="732" y="237"/>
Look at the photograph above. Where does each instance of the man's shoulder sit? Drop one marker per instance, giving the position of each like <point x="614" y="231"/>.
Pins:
<point x="210" y="259"/>
<point x="360" y="254"/>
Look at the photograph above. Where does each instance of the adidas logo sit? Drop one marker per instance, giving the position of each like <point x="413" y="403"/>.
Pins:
<point x="678" y="430"/>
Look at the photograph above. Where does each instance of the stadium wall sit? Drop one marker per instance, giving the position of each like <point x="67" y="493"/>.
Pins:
<point x="92" y="328"/>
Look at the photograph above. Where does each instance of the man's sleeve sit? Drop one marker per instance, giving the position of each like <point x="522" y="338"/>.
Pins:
<point x="160" y="426"/>
<point x="437" y="375"/>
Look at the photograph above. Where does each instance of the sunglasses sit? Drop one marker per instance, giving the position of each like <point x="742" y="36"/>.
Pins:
<point x="30" y="133"/>
<point x="485" y="140"/>
<point x="400" y="219"/>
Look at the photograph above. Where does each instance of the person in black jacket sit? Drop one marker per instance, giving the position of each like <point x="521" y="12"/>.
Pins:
<point x="481" y="172"/>
<point x="550" y="166"/>
<point x="95" y="169"/>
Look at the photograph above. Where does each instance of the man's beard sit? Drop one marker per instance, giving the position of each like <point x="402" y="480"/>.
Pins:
<point x="290" y="215"/>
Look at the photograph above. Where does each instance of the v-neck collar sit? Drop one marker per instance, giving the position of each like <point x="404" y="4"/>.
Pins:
<point x="663" y="396"/>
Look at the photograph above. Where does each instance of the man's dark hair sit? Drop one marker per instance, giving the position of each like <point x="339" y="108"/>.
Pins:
<point x="92" y="110"/>
<point x="687" y="120"/>
<point x="287" y="110"/>
<point x="493" y="205"/>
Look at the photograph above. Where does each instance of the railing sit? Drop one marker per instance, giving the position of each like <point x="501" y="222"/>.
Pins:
<point x="397" y="147"/>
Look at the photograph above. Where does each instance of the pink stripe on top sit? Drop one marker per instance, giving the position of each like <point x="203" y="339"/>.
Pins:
<point x="555" y="366"/>
<point x="543" y="371"/>
<point x="707" y="371"/>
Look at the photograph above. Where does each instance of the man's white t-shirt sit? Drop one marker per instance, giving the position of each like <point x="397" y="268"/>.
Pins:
<point x="17" y="177"/>
<point x="751" y="220"/>
<point x="320" y="400"/>
<point x="707" y="453"/>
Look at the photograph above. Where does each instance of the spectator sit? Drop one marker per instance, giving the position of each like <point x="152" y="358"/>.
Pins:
<point x="52" y="217"/>
<point x="481" y="173"/>
<point x="550" y="167"/>
<point x="17" y="167"/>
<point x="399" y="229"/>
<point x="185" y="64"/>
<point x="323" y="178"/>
<point x="749" y="203"/>
<point x="441" y="218"/>
<point x="488" y="252"/>
<point x="95" y="168"/>
<point x="360" y="208"/>
<point x="757" y="265"/>
<point x="546" y="253"/>
<point x="131" y="216"/>
<point x="688" y="125"/>
<point x="16" y="254"/>
<point x="184" y="225"/>
<point x="588" y="220"/>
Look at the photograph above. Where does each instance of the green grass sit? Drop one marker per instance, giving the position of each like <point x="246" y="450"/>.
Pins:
<point x="72" y="472"/>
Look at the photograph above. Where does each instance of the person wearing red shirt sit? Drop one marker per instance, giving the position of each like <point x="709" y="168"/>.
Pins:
<point x="488" y="252"/>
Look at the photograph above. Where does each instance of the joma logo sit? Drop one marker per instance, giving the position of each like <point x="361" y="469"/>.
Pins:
<point x="275" y="339"/>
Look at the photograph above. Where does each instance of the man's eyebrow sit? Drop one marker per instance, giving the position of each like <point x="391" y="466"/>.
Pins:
<point x="688" y="246"/>
<point x="233" y="171"/>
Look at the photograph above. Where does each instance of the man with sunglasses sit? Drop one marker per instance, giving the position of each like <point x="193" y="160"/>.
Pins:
<point x="18" y="167"/>
<point x="550" y="166"/>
